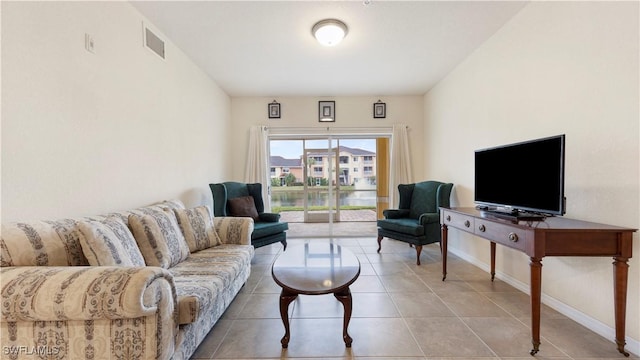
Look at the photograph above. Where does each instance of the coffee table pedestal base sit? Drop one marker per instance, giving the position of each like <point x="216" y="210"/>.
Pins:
<point x="287" y="297"/>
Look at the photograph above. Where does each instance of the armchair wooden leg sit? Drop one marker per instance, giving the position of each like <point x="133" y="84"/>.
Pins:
<point x="379" y="243"/>
<point x="418" y="251"/>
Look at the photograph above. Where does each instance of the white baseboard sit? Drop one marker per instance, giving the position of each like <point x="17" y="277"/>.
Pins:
<point x="633" y="346"/>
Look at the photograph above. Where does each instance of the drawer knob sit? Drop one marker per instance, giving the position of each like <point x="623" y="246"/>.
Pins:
<point x="482" y="228"/>
<point x="513" y="237"/>
<point x="448" y="217"/>
<point x="467" y="223"/>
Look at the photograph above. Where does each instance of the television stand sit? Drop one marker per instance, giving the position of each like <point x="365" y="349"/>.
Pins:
<point x="553" y="236"/>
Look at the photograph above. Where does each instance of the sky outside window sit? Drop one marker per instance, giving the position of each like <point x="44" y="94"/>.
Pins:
<point x="292" y="149"/>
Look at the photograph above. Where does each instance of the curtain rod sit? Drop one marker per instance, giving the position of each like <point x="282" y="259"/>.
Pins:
<point x="322" y="132"/>
<point x="329" y="128"/>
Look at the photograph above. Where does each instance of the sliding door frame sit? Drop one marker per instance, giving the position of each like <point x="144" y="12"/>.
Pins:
<point x="339" y="133"/>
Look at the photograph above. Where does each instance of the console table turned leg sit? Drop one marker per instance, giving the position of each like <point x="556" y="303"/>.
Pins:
<point x="620" y="274"/>
<point x="443" y="248"/>
<point x="493" y="261"/>
<point x="536" y="289"/>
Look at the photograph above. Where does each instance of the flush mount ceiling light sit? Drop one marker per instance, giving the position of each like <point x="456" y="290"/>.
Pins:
<point x="329" y="32"/>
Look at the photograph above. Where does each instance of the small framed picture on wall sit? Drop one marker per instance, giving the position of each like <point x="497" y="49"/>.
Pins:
<point x="379" y="110"/>
<point x="274" y="110"/>
<point x="326" y="111"/>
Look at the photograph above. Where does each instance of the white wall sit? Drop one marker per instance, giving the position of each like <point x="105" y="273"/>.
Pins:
<point x="87" y="133"/>
<point x="351" y="112"/>
<point x="556" y="67"/>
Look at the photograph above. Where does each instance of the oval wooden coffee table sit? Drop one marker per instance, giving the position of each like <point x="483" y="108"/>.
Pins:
<point x="315" y="269"/>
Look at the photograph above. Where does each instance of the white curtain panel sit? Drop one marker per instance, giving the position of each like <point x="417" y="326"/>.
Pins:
<point x="257" y="170"/>
<point x="400" y="166"/>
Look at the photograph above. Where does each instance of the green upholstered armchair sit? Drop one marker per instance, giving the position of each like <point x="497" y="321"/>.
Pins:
<point x="417" y="221"/>
<point x="267" y="226"/>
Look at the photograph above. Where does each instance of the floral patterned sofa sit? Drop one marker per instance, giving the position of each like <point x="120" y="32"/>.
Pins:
<point x="148" y="283"/>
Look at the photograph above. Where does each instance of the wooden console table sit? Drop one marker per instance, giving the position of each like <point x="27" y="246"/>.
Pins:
<point x="553" y="236"/>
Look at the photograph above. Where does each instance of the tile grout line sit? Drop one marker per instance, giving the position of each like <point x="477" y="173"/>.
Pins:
<point x="526" y="325"/>
<point x="404" y="321"/>
<point x="460" y="319"/>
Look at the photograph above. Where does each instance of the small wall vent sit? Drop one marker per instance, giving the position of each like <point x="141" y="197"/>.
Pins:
<point x="153" y="42"/>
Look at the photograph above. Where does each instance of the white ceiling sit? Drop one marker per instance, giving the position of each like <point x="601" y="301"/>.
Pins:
<point x="265" y="48"/>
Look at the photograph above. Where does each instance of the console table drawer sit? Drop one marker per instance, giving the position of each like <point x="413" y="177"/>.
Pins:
<point x="458" y="221"/>
<point x="502" y="234"/>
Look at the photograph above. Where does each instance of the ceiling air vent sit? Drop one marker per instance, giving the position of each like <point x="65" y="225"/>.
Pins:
<point x="153" y="42"/>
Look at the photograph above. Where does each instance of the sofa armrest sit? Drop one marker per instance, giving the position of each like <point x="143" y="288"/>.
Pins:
<point x="429" y="218"/>
<point x="44" y="293"/>
<point x="395" y="213"/>
<point x="269" y="217"/>
<point x="234" y="230"/>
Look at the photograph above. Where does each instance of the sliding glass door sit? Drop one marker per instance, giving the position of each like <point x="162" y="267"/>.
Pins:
<point x="321" y="188"/>
<point x="324" y="179"/>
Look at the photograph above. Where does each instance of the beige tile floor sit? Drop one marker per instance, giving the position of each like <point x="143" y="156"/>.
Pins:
<point x="400" y="311"/>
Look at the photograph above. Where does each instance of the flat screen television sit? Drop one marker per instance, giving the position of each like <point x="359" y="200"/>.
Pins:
<point x="522" y="178"/>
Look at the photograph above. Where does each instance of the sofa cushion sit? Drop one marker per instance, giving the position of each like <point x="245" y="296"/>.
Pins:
<point x="172" y="204"/>
<point x="197" y="227"/>
<point x="262" y="229"/>
<point x="188" y="308"/>
<point x="109" y="243"/>
<point x="197" y="294"/>
<point x="41" y="243"/>
<point x="159" y="238"/>
<point x="243" y="206"/>
<point x="205" y="275"/>
<point x="224" y="261"/>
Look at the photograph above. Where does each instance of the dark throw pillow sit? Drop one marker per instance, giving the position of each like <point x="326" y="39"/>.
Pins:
<point x="244" y="207"/>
